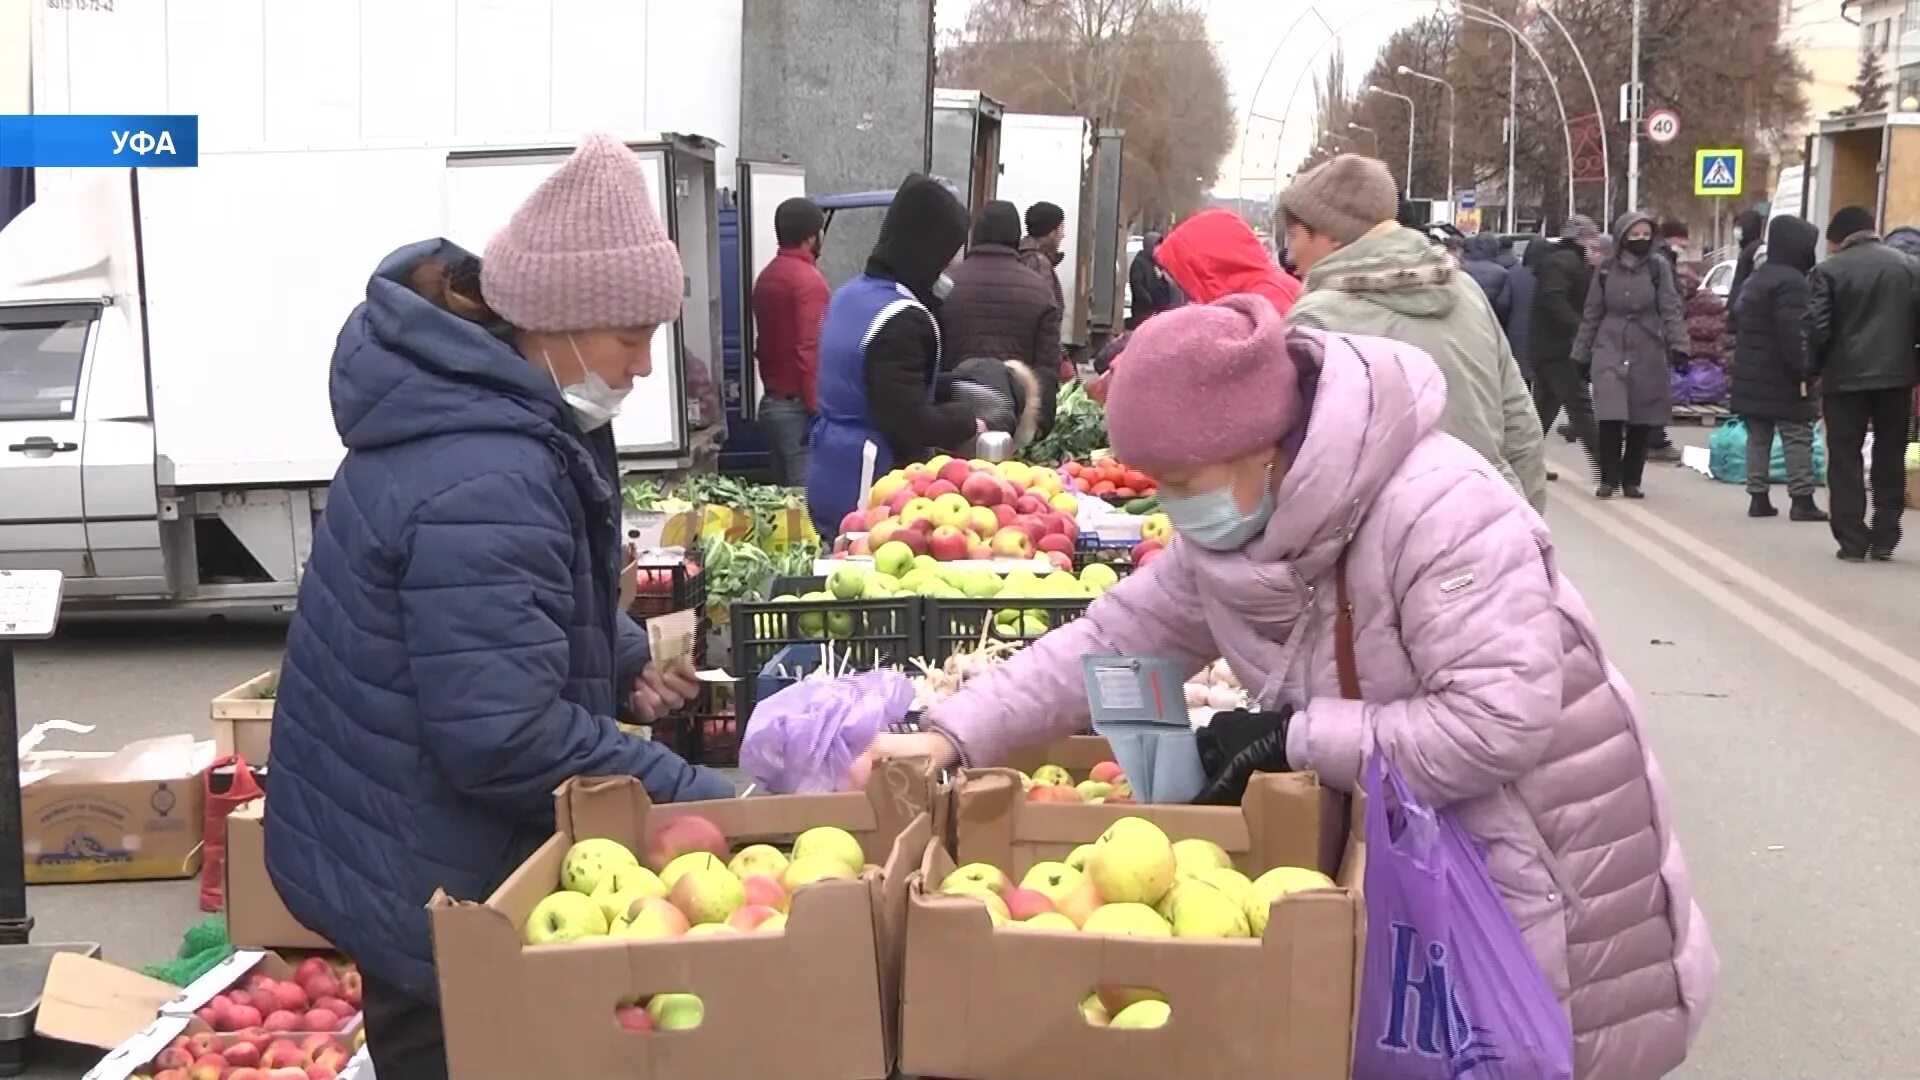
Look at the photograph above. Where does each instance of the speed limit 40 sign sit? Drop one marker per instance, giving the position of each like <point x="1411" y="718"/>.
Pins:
<point x="1663" y="125"/>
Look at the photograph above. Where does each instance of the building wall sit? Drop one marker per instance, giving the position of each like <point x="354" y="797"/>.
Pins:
<point x="843" y="88"/>
<point x="1892" y="27"/>
<point x="1829" y="46"/>
<point x="15" y="80"/>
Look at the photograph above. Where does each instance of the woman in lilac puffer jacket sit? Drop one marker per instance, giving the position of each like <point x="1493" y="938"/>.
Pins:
<point x="1480" y="670"/>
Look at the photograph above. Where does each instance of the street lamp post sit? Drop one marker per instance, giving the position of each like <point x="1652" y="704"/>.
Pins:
<point x="1351" y="126"/>
<point x="1513" y="107"/>
<point x="1406" y="181"/>
<point x="1453" y="125"/>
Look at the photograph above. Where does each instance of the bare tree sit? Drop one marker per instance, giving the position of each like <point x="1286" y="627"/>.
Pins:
<point x="1143" y="65"/>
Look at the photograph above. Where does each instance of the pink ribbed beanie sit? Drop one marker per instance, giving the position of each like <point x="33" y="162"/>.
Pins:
<point x="1202" y="384"/>
<point x="586" y="250"/>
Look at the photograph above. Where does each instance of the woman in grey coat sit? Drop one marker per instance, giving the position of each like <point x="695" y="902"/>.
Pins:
<point x="1633" y="328"/>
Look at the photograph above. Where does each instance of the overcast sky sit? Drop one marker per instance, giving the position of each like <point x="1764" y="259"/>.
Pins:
<point x="1249" y="34"/>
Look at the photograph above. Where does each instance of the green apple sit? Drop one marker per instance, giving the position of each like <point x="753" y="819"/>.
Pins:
<point x="1053" y="776"/>
<point x="1201" y="909"/>
<point x="1231" y="881"/>
<point x="1093" y="1011"/>
<point x="975" y="877"/>
<point x="1077" y="858"/>
<point x="565" y="916"/>
<point x="893" y="558"/>
<point x="1190" y="856"/>
<point x="1132" y="862"/>
<point x="676" y="1012"/>
<point x="1276" y="883"/>
<point x="834" y="843"/>
<point x="879" y="587"/>
<point x="588" y="862"/>
<point x="708" y="894"/>
<point x="1099" y="577"/>
<point x="762" y="859"/>
<point x="808" y="869"/>
<point x="848" y="582"/>
<point x="812" y="624"/>
<point x="622" y="886"/>
<point x="1128" y="920"/>
<point x="1093" y="790"/>
<point x="979" y="583"/>
<point x="1140" y="1015"/>
<point x="692" y="860"/>
<point x="1053" y="880"/>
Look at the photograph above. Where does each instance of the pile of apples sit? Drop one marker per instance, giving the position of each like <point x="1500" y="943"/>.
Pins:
<point x="953" y="510"/>
<point x="692" y="884"/>
<point x="1105" y="783"/>
<point x="271" y="1029"/>
<point x="319" y="997"/>
<point x="899" y="573"/>
<point x="1134" y="881"/>
<point x="253" y="1055"/>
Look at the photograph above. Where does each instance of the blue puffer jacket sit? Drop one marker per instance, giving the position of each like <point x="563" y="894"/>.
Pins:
<point x="455" y="650"/>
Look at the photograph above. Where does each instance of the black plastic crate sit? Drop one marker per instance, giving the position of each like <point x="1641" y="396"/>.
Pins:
<point x="1088" y="550"/>
<point x="954" y="626"/>
<point x="666" y="587"/>
<point x="711" y="739"/>
<point x="863" y="633"/>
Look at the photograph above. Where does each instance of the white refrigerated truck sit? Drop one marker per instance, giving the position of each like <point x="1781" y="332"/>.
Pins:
<point x="166" y="436"/>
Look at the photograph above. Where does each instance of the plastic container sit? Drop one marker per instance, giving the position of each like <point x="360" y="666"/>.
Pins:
<point x="954" y="626"/>
<point x="863" y="633"/>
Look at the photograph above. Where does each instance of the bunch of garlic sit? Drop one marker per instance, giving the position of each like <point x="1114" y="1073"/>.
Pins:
<point x="936" y="684"/>
<point x="1214" y="687"/>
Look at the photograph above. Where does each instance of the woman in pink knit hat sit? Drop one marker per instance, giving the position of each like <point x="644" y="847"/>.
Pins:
<point x="458" y="651"/>
<point x="1378" y="584"/>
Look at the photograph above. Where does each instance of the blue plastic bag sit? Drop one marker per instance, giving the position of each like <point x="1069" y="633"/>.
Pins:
<point x="1727" y="450"/>
<point x="804" y="739"/>
<point x="1449" y="990"/>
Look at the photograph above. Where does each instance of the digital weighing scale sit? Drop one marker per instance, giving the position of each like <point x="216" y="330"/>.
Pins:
<point x="29" y="611"/>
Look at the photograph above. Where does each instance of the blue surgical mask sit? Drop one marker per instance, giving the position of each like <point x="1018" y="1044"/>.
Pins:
<point x="1212" y="521"/>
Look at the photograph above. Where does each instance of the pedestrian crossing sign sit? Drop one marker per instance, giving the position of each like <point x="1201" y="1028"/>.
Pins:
<point x="1719" y="172"/>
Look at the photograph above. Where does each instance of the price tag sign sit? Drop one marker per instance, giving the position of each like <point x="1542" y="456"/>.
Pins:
<point x="29" y="604"/>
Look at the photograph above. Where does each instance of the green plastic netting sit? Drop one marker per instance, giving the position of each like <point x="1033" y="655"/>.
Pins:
<point x="204" y="945"/>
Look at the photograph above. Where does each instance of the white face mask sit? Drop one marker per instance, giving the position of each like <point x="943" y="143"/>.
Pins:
<point x="942" y="287"/>
<point x="593" y="400"/>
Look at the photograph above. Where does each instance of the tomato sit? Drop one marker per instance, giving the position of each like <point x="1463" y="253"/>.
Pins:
<point x="1137" y="479"/>
<point x="1124" y="493"/>
<point x="1072" y="468"/>
<point x="1104" y="487"/>
<point x="1082" y="485"/>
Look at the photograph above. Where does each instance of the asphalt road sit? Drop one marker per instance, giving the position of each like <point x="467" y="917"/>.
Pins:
<point x="1782" y="690"/>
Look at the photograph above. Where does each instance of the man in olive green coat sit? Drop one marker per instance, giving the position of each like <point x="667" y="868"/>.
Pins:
<point x="1365" y="274"/>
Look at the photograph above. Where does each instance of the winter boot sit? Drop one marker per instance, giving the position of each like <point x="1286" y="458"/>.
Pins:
<point x="1762" y="506"/>
<point x="1804" y="509"/>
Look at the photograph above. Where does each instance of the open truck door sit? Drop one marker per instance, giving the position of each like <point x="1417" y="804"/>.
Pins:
<point x="762" y="187"/>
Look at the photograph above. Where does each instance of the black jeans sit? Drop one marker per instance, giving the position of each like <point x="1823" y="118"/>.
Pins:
<point x="1557" y="386"/>
<point x="1849" y="416"/>
<point x="1623" y="453"/>
<point x="404" y="1035"/>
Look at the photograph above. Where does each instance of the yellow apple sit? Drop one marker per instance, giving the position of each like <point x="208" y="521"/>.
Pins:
<point x="1204" y="910"/>
<point x="1049" y="920"/>
<point x="1127" y="920"/>
<point x="833" y="843"/>
<point x="1275" y="884"/>
<point x="974" y="877"/>
<point x="1142" y="1014"/>
<point x="1132" y="862"/>
<point x="1190" y="856"/>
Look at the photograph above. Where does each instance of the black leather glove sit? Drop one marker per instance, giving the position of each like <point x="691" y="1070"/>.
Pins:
<point x="1236" y="744"/>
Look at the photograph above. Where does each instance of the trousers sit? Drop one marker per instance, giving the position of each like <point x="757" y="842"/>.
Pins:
<point x="1559" y="386"/>
<point x="785" y="425"/>
<point x="1796" y="444"/>
<point x="404" y="1034"/>
<point x="1887" y="413"/>
<point x="1623" y="453"/>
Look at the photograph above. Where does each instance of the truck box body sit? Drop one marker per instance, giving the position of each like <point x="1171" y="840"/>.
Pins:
<point x="165" y="334"/>
<point x="1044" y="158"/>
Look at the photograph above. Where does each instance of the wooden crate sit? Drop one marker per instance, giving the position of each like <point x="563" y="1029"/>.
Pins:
<point x="243" y="718"/>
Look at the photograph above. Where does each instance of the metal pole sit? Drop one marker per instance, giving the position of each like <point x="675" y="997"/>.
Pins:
<point x="1513" y="128"/>
<point x="1453" y="125"/>
<point x="1413" y="116"/>
<point x="1633" y="116"/>
<point x="15" y="923"/>
<point x="1599" y="116"/>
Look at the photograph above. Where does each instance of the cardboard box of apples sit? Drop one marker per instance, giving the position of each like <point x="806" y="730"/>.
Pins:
<point x="958" y="510"/>
<point x="747" y="937"/>
<point x="1151" y="939"/>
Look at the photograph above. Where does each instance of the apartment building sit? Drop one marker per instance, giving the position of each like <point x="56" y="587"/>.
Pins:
<point x="1891" y="28"/>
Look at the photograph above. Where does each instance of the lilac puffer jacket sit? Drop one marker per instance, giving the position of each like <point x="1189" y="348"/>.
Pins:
<point x="1483" y="679"/>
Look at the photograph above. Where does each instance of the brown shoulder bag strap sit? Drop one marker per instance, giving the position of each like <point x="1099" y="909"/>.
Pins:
<point x="1343" y="647"/>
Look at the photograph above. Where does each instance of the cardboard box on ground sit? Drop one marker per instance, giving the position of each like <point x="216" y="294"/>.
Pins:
<point x="136" y="1019"/>
<point x="256" y="916"/>
<point x="123" y="815"/>
<point x="815" y="1001"/>
<point x="994" y="1003"/>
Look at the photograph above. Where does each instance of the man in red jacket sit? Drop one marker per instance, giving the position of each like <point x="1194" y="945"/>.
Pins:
<point x="789" y="300"/>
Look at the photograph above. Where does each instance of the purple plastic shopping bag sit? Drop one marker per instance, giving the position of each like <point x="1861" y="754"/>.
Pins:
<point x="804" y="739"/>
<point x="1450" y="990"/>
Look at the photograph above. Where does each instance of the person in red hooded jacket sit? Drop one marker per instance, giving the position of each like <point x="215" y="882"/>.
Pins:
<point x="1211" y="255"/>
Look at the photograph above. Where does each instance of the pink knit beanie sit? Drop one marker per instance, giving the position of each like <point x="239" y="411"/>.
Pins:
<point x="586" y="250"/>
<point x="1203" y="384"/>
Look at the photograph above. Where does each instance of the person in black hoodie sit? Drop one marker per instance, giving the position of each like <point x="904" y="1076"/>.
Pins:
<point x="1772" y="376"/>
<point x="1563" y="272"/>
<point x="1749" y="230"/>
<point x="1001" y="313"/>
<point x="880" y="354"/>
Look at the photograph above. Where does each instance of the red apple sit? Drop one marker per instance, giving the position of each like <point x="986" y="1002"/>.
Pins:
<point x="1004" y="513"/>
<point x="350" y="987"/>
<point x="751" y="916"/>
<point x="919" y="484"/>
<point x="174" y="1057"/>
<point x="209" y="1016"/>
<point x="256" y="1037"/>
<point x="677" y="836"/>
<point x="633" y="1018"/>
<point x="957" y="473"/>
<point x="248" y="1072"/>
<point x="979" y="549"/>
<point x="885" y="531"/>
<point x="917" y="539"/>
<point x="1030" y="504"/>
<point x="1013" y="543"/>
<point x="983" y="489"/>
<point x="296" y="998"/>
<point x="1034" y="524"/>
<point x="311" y="966"/>
<point x="256" y="983"/>
<point x="1063" y="524"/>
<point x="208" y="1067"/>
<point x="327" y="1063"/>
<point x="949" y="544"/>
<point x="1051" y="793"/>
<point x="1106" y="772"/>
<point x="1055" y="542"/>
<point x="941" y="487"/>
<point x="1024" y="904"/>
<point x="282" y="1053"/>
<point x="240" y="997"/>
<point x="764" y="890"/>
<point x="873" y="515"/>
<point x="281" y="1020"/>
<point x="855" y="521"/>
<point x="336" y="1006"/>
<point x="242" y="1055"/>
<point x="321" y="1020"/>
<point x="242" y="1016"/>
<point x="1061" y="561"/>
<point x="176" y="1074"/>
<point x="202" y="1044"/>
<point x="898" y="500"/>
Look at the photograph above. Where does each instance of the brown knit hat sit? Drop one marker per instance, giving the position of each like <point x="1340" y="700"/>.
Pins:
<point x="1344" y="198"/>
<point x="586" y="250"/>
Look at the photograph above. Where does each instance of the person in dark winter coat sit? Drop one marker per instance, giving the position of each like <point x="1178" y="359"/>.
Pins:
<point x="880" y="354"/>
<point x="1772" y="377"/>
<point x="457" y="652"/>
<point x="1633" y="328"/>
<point x="1523" y="281"/>
<point x="1564" y="271"/>
<point x="1749" y="232"/>
<point x="1150" y="290"/>
<point x="999" y="310"/>
<point x="1041" y="250"/>
<point x="1480" y="257"/>
<point x="1863" y="324"/>
<point x="1905" y="240"/>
